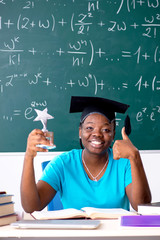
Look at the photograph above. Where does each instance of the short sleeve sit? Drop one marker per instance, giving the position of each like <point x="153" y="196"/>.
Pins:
<point x="53" y="173"/>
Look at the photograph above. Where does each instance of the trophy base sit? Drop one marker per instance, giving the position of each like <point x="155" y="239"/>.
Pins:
<point x="46" y="147"/>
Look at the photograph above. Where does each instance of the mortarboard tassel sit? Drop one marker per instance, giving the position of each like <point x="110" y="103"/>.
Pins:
<point x="127" y="125"/>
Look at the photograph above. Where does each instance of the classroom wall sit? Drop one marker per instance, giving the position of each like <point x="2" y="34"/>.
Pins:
<point x="12" y="163"/>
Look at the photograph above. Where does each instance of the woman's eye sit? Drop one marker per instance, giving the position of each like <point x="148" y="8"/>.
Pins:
<point x="106" y="130"/>
<point x="89" y="128"/>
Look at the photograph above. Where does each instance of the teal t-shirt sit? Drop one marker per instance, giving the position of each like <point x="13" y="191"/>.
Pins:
<point x="66" y="174"/>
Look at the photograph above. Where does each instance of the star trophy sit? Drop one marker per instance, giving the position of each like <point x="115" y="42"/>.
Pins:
<point x="43" y="116"/>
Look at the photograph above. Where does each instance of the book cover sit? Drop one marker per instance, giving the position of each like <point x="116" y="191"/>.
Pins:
<point x="6" y="208"/>
<point x="149" y="208"/>
<point x="87" y="212"/>
<point x="6" y="220"/>
<point x="140" y="221"/>
<point x="4" y="198"/>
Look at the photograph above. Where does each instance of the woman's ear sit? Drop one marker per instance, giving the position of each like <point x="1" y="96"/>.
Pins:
<point x="80" y="131"/>
<point x="80" y="141"/>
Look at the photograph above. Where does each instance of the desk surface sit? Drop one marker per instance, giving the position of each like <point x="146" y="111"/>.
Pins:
<point x="107" y="229"/>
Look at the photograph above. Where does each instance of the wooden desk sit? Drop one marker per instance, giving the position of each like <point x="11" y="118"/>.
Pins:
<point x="109" y="229"/>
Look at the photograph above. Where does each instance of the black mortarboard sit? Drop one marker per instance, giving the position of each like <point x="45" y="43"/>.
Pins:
<point x="88" y="105"/>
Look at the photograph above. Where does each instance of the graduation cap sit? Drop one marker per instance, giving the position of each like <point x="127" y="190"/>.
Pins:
<point x="106" y="107"/>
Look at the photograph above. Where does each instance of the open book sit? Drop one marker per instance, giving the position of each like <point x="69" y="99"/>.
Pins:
<point x="86" y="212"/>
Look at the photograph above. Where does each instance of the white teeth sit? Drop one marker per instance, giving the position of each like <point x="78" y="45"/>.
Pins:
<point x="96" y="142"/>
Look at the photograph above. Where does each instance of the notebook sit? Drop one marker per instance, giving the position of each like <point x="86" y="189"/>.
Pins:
<point x="57" y="224"/>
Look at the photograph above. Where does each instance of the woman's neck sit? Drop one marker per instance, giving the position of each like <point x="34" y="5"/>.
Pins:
<point x="94" y="159"/>
<point x="94" y="165"/>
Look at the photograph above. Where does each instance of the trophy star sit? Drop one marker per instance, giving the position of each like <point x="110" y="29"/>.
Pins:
<point x="42" y="115"/>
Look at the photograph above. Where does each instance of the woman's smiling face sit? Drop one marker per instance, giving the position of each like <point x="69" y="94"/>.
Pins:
<point x="97" y="133"/>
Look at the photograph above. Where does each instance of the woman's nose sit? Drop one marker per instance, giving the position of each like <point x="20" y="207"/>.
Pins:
<point x="97" y="132"/>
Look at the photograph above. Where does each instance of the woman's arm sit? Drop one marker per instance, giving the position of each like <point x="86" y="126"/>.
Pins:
<point x="34" y="196"/>
<point x="138" y="191"/>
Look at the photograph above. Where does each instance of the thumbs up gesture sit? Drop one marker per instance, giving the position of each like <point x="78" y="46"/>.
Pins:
<point x="124" y="148"/>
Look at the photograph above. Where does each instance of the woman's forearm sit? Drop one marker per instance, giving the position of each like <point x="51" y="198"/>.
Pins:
<point x="29" y="193"/>
<point x="140" y="191"/>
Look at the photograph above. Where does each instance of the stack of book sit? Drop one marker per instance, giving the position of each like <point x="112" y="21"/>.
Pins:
<point x="7" y="214"/>
<point x="149" y="216"/>
<point x="149" y="208"/>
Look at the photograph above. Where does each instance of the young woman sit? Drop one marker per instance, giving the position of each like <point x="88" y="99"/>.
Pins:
<point x="97" y="176"/>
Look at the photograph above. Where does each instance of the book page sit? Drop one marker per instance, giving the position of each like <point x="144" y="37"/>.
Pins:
<point x="86" y="212"/>
<point x="106" y="212"/>
<point x="59" y="214"/>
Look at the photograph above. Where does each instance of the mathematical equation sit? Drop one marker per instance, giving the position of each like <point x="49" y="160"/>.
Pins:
<point x="82" y="52"/>
<point x="29" y="113"/>
<point x="146" y="113"/>
<point x="128" y="4"/>
<point x="89" y="81"/>
<point x="82" y="24"/>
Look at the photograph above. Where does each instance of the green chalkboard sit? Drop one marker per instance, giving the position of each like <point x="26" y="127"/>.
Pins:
<point x="51" y="50"/>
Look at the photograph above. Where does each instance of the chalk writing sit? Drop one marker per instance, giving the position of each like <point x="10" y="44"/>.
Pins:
<point x="133" y="4"/>
<point x="145" y="112"/>
<point x="154" y="84"/>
